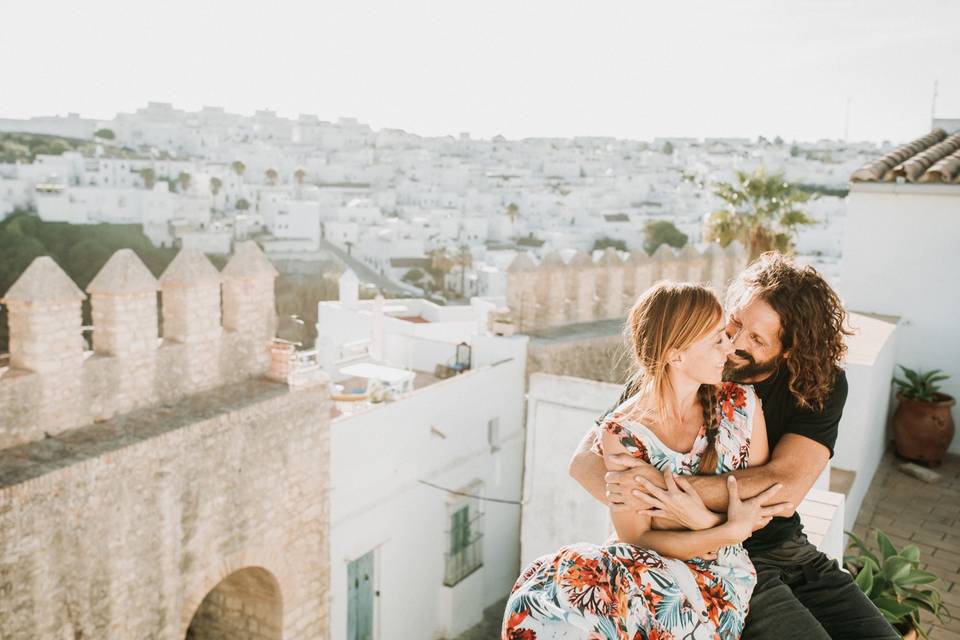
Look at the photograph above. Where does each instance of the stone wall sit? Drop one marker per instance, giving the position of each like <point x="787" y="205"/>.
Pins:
<point x="555" y="292"/>
<point x="121" y="529"/>
<point x="54" y="384"/>
<point x="171" y="482"/>
<point x="601" y="358"/>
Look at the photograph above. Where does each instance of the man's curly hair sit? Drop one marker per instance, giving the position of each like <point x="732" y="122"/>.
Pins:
<point x="813" y="322"/>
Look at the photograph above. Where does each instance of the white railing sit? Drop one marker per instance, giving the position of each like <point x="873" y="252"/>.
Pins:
<point x="304" y="368"/>
<point x="353" y="350"/>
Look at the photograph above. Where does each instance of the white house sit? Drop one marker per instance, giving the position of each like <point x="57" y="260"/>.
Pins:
<point x="900" y="253"/>
<point x="425" y="486"/>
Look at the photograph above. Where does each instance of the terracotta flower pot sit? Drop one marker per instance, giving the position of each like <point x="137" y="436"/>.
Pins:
<point x="911" y="634"/>
<point x="924" y="430"/>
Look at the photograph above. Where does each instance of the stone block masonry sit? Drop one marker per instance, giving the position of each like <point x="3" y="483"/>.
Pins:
<point x="123" y="528"/>
<point x="554" y="293"/>
<point x="168" y="484"/>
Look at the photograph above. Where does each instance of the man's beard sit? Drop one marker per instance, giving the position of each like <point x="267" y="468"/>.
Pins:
<point x="751" y="370"/>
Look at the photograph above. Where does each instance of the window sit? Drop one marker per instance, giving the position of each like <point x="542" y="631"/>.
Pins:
<point x="493" y="434"/>
<point x="465" y="549"/>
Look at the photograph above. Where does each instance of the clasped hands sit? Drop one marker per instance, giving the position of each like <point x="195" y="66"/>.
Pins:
<point x="638" y="488"/>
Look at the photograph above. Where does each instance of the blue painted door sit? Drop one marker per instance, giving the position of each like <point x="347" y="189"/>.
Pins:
<point x="360" y="598"/>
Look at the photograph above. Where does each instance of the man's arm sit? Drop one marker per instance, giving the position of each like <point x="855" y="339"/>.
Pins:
<point x="797" y="460"/>
<point x="588" y="468"/>
<point x="796" y="463"/>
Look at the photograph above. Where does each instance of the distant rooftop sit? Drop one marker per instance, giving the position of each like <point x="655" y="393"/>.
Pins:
<point x="933" y="158"/>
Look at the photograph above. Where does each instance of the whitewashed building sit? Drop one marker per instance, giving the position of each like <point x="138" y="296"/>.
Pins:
<point x="900" y="251"/>
<point x="425" y="486"/>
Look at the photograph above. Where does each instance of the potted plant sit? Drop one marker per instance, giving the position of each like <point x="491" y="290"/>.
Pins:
<point x="895" y="583"/>
<point x="923" y="425"/>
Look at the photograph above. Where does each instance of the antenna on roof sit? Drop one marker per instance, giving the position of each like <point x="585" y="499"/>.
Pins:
<point x="846" y="122"/>
<point x="933" y="103"/>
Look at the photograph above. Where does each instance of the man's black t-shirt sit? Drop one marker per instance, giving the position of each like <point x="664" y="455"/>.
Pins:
<point x="783" y="416"/>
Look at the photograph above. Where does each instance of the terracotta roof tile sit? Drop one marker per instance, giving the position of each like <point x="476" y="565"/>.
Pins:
<point x="946" y="169"/>
<point x="934" y="157"/>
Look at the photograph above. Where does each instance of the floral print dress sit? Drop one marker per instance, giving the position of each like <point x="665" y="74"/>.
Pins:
<point x="618" y="591"/>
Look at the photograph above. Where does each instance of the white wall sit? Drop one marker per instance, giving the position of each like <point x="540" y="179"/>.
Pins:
<point x="557" y="510"/>
<point x="900" y="257"/>
<point x="377" y="503"/>
<point x="863" y="434"/>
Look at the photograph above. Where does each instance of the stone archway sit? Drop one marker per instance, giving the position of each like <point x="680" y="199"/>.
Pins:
<point x="247" y="604"/>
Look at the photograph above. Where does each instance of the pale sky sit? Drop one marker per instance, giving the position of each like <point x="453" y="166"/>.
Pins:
<point x="631" y="69"/>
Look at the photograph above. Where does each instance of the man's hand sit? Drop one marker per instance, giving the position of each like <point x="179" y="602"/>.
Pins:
<point x="622" y="487"/>
<point x="678" y="502"/>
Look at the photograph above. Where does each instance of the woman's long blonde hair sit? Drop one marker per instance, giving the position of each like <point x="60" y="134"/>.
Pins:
<point x="669" y="316"/>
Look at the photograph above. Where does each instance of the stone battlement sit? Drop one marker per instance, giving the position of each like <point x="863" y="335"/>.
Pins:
<point x="216" y="329"/>
<point x="554" y="293"/>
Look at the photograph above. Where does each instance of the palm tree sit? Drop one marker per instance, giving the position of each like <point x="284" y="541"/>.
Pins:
<point x="242" y="204"/>
<point x="238" y="167"/>
<point x="464" y="260"/>
<point x="271" y="177"/>
<point x="183" y="181"/>
<point x="215" y="184"/>
<point x="440" y="265"/>
<point x="299" y="175"/>
<point x="761" y="212"/>
<point x="512" y="212"/>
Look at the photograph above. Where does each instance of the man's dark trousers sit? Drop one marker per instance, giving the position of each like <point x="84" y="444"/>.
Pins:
<point x="803" y="594"/>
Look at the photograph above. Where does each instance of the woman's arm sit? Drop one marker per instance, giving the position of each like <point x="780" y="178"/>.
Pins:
<point x="633" y="528"/>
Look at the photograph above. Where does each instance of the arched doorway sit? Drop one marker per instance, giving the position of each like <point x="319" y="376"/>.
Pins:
<point x="247" y="604"/>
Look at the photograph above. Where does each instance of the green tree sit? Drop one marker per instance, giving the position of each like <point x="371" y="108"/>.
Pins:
<point x="299" y="175"/>
<point x="794" y="151"/>
<point x="149" y="177"/>
<point x="762" y="211"/>
<point x="658" y="232"/>
<point x="183" y="181"/>
<point x="238" y="167"/>
<point x="271" y="177"/>
<point x="413" y="276"/>
<point x="85" y="259"/>
<point x="215" y="185"/>
<point x="602" y="243"/>
<point x="106" y="134"/>
<point x="667" y="148"/>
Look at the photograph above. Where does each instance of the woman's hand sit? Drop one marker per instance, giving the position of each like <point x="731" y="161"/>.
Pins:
<point x="678" y="502"/>
<point x="746" y="516"/>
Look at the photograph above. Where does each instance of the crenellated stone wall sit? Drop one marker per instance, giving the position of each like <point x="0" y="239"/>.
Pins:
<point x="173" y="481"/>
<point x="555" y="293"/>
<point x="53" y="384"/>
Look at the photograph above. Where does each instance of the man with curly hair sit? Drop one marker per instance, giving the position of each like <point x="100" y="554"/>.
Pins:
<point x="788" y="329"/>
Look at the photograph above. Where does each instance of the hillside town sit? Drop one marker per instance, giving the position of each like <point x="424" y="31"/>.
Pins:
<point x="391" y="200"/>
<point x="173" y="465"/>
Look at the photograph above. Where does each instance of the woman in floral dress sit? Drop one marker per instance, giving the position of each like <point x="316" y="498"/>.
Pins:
<point x="654" y="580"/>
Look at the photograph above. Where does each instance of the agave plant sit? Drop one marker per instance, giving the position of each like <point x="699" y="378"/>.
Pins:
<point x="894" y="581"/>
<point x="920" y="386"/>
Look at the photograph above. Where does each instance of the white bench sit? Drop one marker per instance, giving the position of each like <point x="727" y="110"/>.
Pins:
<point x="821" y="513"/>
